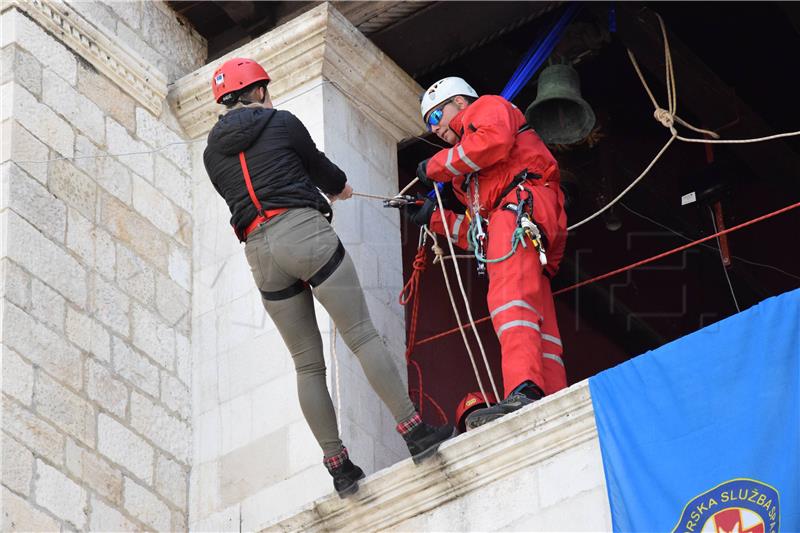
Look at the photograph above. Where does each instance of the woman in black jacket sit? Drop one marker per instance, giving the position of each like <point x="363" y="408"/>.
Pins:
<point x="264" y="164"/>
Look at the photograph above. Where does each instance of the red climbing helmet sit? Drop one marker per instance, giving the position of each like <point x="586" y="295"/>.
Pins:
<point x="236" y="74"/>
<point x="469" y="403"/>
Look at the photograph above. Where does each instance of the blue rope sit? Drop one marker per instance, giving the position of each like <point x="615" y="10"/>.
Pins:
<point x="537" y="54"/>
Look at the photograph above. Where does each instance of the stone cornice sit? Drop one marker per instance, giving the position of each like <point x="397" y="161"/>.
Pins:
<point x="320" y="44"/>
<point x="532" y="435"/>
<point x="136" y="77"/>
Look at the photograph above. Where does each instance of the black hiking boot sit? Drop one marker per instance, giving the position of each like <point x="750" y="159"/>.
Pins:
<point x="424" y="440"/>
<point x="525" y="394"/>
<point x="345" y="478"/>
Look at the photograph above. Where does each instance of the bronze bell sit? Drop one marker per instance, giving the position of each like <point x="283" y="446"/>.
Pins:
<point x="559" y="115"/>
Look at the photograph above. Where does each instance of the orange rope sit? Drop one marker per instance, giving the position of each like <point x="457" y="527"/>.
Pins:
<point x="632" y="265"/>
<point x="411" y="292"/>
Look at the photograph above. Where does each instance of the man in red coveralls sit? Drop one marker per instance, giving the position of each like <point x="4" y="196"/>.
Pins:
<point x="509" y="181"/>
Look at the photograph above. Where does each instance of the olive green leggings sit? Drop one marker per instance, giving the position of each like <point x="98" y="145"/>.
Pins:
<point x="301" y="245"/>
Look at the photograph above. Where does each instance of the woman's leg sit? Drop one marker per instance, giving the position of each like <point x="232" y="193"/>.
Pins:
<point x="342" y="297"/>
<point x="294" y="317"/>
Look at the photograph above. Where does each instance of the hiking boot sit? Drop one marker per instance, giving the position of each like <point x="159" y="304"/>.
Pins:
<point x="345" y="478"/>
<point x="524" y="395"/>
<point x="423" y="440"/>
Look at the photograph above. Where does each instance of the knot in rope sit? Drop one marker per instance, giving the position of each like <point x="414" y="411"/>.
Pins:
<point x="664" y="117"/>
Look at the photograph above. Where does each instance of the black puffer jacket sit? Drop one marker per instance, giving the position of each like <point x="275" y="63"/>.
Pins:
<point x="285" y="166"/>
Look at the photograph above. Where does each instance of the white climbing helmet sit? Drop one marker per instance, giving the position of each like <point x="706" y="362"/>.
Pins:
<point x="442" y="90"/>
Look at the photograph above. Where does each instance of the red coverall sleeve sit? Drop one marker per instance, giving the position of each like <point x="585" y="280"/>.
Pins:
<point x="458" y="225"/>
<point x="492" y="133"/>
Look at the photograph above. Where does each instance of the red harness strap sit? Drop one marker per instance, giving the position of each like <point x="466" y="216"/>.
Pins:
<point x="261" y="216"/>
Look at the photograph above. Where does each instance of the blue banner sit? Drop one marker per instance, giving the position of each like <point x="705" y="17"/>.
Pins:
<point x="702" y="435"/>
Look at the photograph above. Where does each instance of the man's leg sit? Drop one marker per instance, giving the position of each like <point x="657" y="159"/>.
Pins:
<point x="515" y="302"/>
<point x="555" y="376"/>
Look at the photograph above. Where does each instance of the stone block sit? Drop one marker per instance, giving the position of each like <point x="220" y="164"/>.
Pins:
<point x="50" y="263"/>
<point x="103" y="388"/>
<point x="105" y="93"/>
<point x="42" y="121"/>
<point x="17" y="284"/>
<point x="21" y="66"/>
<point x="33" y="432"/>
<point x="35" y="203"/>
<point x="106" y="518"/>
<point x="184" y="49"/>
<point x="24" y="146"/>
<point x="21" y="515"/>
<point x="135" y="231"/>
<point x="176" y="396"/>
<point x="153" y="337"/>
<point x="164" y="430"/>
<point x="174" y="182"/>
<point x="205" y="387"/>
<point x="47" y="305"/>
<point x="154" y="206"/>
<point x="261" y="509"/>
<point x="105" y="254"/>
<point x="573" y="471"/>
<point x="110" y="306"/>
<point x="237" y="423"/>
<point x="98" y="13"/>
<point x="74" y="187"/>
<point x="129" y="13"/>
<point x="79" y="111"/>
<point x="183" y="358"/>
<point x="135" y="276"/>
<point x="60" y="495"/>
<point x="109" y="173"/>
<point x="94" y="471"/>
<point x="17" y="377"/>
<point x="203" y="491"/>
<point x="87" y="334"/>
<point x="172" y="301"/>
<point x="101" y="342"/>
<point x="180" y="266"/>
<point x="248" y="469"/>
<point x="65" y="409"/>
<point x="153" y="131"/>
<point x="17" y="466"/>
<point x="41" y="346"/>
<point x="250" y="366"/>
<point x="207" y="436"/>
<point x="172" y="481"/>
<point x="125" y="448"/>
<point x="47" y="50"/>
<point x="134" y="367"/>
<point x="80" y="236"/>
<point x="146" y="506"/>
<point x="225" y="521"/>
<point x="126" y="149"/>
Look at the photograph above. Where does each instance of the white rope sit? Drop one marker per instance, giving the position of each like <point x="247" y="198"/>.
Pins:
<point x="668" y="118"/>
<point x="439" y="252"/>
<point x="464" y="293"/>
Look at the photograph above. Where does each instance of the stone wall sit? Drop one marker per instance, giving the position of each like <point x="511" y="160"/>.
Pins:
<point x="96" y="274"/>
<point x="159" y="35"/>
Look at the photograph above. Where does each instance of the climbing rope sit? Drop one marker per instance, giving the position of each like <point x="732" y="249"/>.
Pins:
<point x="628" y="267"/>
<point x="464" y="296"/>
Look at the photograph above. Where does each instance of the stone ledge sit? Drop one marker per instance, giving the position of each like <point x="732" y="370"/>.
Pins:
<point x="320" y="44"/>
<point x="466" y="463"/>
<point x="124" y="67"/>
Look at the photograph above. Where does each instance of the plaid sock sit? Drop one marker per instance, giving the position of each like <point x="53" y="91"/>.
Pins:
<point x="407" y="425"/>
<point x="337" y="460"/>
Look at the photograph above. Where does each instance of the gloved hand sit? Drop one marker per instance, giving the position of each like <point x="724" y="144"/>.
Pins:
<point x="422" y="174"/>
<point x="421" y="214"/>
